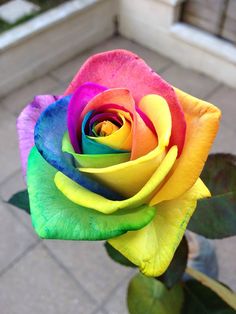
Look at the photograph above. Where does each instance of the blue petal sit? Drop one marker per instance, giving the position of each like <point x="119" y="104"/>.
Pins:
<point x="48" y="134"/>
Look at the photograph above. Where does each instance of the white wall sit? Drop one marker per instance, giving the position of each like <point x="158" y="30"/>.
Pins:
<point x="154" y="24"/>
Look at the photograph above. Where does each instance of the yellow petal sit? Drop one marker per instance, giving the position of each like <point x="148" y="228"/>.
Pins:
<point x="157" y="109"/>
<point x="129" y="177"/>
<point x="152" y="247"/>
<point x="202" y="125"/>
<point x="81" y="196"/>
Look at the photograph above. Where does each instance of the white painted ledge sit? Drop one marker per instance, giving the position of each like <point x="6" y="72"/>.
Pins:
<point x="43" y="21"/>
<point x="154" y="24"/>
<point x="172" y="2"/>
<point x="43" y="43"/>
<point x="204" y="41"/>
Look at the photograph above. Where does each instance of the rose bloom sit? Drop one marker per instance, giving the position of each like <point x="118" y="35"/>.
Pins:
<point x="117" y="158"/>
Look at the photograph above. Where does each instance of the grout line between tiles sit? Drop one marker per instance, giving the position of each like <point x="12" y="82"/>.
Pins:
<point x="12" y="210"/>
<point x="165" y="67"/>
<point x="19" y="257"/>
<point x="212" y="92"/>
<point x="68" y="272"/>
<point x="54" y="77"/>
<point x="108" y="297"/>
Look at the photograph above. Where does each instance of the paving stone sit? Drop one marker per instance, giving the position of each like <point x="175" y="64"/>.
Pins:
<point x="15" y="238"/>
<point x="15" y="184"/>
<point x="13" y="10"/>
<point x="225" y="99"/>
<point x="226" y="249"/>
<point x="100" y="312"/>
<point x="90" y="264"/>
<point x="9" y="156"/>
<point x="19" y="98"/>
<point x="60" y="89"/>
<point x="67" y="71"/>
<point x="12" y="185"/>
<point x="117" y="304"/>
<point x="189" y="81"/>
<point x="36" y="284"/>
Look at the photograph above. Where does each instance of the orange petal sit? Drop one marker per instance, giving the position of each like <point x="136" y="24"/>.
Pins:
<point x="202" y="124"/>
<point x="123" y="97"/>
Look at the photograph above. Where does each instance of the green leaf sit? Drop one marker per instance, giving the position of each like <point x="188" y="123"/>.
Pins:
<point x="218" y="212"/>
<point x="148" y="295"/>
<point x="199" y="299"/>
<point x="21" y="200"/>
<point x="177" y="267"/>
<point x="117" y="256"/>
<point x="221" y="290"/>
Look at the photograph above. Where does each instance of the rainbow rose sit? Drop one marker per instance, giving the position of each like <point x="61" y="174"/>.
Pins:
<point x="118" y="157"/>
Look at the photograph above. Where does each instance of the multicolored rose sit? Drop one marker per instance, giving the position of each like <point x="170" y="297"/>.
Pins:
<point x="118" y="157"/>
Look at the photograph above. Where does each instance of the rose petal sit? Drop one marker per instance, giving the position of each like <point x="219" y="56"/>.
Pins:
<point x="94" y="161"/>
<point x="26" y="123"/>
<point x="99" y="117"/>
<point x="77" y="103"/>
<point x="90" y="146"/>
<point x="121" y="68"/>
<point x="83" y="197"/>
<point x="121" y="139"/>
<point x="130" y="177"/>
<point x="49" y="131"/>
<point x="157" y="109"/>
<point x="55" y="217"/>
<point x="123" y="97"/>
<point x="152" y="248"/>
<point x="202" y="125"/>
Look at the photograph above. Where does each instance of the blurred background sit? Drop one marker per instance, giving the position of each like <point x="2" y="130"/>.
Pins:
<point x="192" y="44"/>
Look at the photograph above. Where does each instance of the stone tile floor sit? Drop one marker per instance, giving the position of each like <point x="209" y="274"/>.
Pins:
<point x="61" y="277"/>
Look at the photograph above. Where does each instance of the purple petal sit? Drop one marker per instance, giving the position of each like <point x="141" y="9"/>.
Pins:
<point x="26" y="123"/>
<point x="77" y="104"/>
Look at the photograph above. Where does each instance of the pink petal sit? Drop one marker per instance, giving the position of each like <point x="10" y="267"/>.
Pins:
<point x="124" y="69"/>
<point x="76" y="106"/>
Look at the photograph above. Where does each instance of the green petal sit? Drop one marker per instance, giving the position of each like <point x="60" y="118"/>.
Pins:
<point x="93" y="161"/>
<point x="55" y="217"/>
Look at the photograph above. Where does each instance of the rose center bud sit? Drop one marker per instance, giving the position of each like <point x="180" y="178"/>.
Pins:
<point x="105" y="128"/>
<point x="111" y="128"/>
